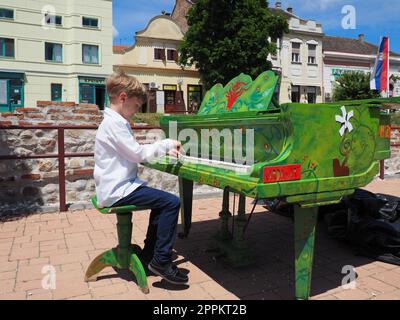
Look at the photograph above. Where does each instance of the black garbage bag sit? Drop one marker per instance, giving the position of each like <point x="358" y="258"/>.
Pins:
<point x="373" y="228"/>
<point x="368" y="222"/>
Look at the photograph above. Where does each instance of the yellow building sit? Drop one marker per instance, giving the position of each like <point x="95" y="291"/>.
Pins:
<point x="153" y="61"/>
<point x="54" y="50"/>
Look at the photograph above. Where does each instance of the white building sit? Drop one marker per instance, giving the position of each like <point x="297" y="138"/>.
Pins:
<point x="54" y="50"/>
<point x="299" y="59"/>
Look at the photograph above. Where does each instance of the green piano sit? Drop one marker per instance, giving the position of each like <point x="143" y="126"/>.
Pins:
<point x="242" y="141"/>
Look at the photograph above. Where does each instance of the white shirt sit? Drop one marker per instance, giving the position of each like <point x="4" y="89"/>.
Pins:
<point x="116" y="157"/>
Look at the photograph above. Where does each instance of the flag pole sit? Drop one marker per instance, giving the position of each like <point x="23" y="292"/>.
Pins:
<point x="388" y="71"/>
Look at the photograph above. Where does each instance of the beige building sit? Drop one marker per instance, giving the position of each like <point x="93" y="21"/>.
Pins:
<point x="153" y="60"/>
<point x="54" y="50"/>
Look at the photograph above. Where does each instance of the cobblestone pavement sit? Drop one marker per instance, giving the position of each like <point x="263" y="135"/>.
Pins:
<point x="69" y="241"/>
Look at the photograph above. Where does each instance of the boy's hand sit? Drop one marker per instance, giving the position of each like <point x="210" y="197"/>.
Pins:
<point x="175" y="151"/>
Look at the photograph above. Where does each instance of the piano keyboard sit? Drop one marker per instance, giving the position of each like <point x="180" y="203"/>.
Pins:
<point x="243" y="169"/>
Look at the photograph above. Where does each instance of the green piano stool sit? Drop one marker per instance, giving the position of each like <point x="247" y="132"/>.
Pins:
<point x="124" y="256"/>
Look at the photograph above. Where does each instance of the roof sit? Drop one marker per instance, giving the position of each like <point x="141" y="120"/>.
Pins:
<point x="349" y="45"/>
<point x="120" y="48"/>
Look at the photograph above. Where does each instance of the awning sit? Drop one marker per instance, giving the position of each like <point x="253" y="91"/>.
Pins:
<point x="7" y="74"/>
<point x="91" y="80"/>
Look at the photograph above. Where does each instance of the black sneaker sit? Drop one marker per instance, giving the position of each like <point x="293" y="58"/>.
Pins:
<point x="169" y="273"/>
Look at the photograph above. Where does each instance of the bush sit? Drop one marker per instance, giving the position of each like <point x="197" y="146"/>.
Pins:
<point x="152" y="119"/>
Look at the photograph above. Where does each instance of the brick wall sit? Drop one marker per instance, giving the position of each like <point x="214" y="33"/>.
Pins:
<point x="392" y="166"/>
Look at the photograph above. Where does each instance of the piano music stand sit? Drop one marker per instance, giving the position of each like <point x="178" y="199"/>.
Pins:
<point x="124" y="256"/>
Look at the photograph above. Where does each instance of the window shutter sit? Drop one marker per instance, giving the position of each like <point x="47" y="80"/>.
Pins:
<point x="312" y="50"/>
<point x="296" y="48"/>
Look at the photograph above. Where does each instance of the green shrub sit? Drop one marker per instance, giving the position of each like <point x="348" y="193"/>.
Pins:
<point x="152" y="119"/>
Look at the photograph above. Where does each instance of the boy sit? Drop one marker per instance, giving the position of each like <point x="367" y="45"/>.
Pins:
<point x="117" y="155"/>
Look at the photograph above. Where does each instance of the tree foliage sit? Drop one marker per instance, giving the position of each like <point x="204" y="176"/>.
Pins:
<point x="228" y="37"/>
<point x="354" y="85"/>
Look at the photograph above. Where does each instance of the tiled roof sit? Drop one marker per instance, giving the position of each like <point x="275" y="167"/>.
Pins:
<point x="119" y="48"/>
<point x="349" y="45"/>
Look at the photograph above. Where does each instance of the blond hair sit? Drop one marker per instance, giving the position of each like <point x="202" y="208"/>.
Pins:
<point x="119" y="82"/>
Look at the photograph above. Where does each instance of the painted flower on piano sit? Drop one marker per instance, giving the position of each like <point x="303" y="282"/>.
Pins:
<point x="344" y="119"/>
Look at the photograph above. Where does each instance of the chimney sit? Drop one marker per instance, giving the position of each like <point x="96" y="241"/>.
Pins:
<point x="361" y="37"/>
<point x="278" y="4"/>
<point x="290" y="10"/>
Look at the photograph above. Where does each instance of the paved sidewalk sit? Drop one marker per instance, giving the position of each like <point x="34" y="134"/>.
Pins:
<point x="69" y="241"/>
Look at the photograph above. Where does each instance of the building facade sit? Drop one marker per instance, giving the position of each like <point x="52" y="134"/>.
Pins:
<point x="153" y="60"/>
<point x="299" y="59"/>
<point x="343" y="55"/>
<point x="54" y="50"/>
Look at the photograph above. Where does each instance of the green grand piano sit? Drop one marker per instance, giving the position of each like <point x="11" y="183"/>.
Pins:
<point x="310" y="155"/>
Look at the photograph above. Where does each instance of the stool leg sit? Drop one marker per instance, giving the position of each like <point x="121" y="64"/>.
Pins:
<point x="124" y="229"/>
<point x="104" y="260"/>
<point x="137" y="268"/>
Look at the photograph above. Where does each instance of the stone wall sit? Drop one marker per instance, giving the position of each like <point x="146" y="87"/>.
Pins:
<point x="32" y="185"/>
<point x="392" y="166"/>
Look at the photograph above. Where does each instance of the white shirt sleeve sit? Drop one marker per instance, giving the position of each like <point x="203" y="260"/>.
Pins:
<point x="127" y="146"/>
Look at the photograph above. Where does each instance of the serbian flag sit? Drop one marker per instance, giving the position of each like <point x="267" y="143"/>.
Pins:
<point x="380" y="75"/>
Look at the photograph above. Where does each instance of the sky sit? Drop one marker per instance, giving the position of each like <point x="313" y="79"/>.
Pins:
<point x="372" y="18"/>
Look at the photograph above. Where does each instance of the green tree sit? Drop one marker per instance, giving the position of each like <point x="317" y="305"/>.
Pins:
<point x="354" y="85"/>
<point x="228" y="37"/>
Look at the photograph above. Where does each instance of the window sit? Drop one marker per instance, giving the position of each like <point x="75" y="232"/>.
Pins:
<point x="52" y="19"/>
<point x="296" y="52"/>
<point x="159" y="54"/>
<point x="90" y="54"/>
<point x="56" y="92"/>
<point x="295" y="93"/>
<point x="275" y="41"/>
<point x="90" y="22"/>
<point x="194" y="98"/>
<point x="6" y="13"/>
<point x="6" y="47"/>
<point x="312" y="54"/>
<point x="53" y="52"/>
<point x="172" y="55"/>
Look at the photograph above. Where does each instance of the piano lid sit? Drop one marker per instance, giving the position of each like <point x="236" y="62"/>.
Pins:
<point x="241" y="94"/>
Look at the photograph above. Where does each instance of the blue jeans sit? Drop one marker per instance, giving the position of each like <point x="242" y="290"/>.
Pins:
<point x="161" y="233"/>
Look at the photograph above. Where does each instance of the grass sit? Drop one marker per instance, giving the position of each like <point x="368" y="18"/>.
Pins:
<point x="396" y="118"/>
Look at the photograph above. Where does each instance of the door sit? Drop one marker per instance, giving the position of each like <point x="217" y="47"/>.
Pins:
<point x="56" y="92"/>
<point x="5" y="105"/>
<point x="100" y="97"/>
<point x="152" y="102"/>
<point x="170" y="101"/>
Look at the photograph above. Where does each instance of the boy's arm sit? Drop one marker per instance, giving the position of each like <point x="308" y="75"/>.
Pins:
<point x="130" y="149"/>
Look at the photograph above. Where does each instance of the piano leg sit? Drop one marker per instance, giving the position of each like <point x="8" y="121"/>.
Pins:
<point x="305" y="220"/>
<point x="186" y="195"/>
<point x="224" y="216"/>
<point x="232" y="247"/>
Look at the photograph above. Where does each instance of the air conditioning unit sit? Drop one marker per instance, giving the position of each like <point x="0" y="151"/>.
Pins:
<point x="153" y="85"/>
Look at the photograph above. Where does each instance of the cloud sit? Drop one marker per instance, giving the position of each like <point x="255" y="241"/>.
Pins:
<point x="115" y="32"/>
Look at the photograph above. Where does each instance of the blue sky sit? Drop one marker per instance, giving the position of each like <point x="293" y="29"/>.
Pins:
<point x="373" y="18"/>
